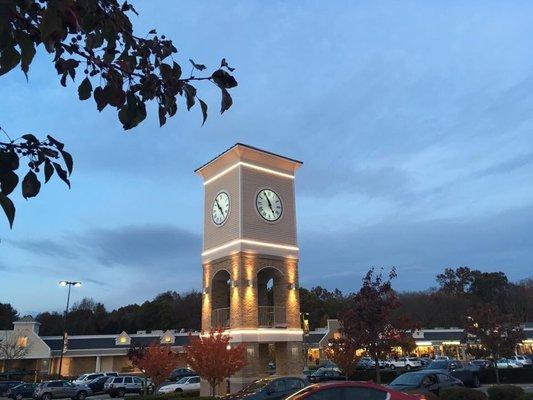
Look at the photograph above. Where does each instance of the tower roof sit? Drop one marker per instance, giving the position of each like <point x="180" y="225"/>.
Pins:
<point x="242" y="148"/>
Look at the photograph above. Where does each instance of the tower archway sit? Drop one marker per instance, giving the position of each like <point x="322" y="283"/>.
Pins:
<point x="220" y="293"/>
<point x="271" y="297"/>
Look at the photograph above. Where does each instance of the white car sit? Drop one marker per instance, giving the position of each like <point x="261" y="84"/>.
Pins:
<point x="186" y="384"/>
<point x="86" y="378"/>
<point x="525" y="361"/>
<point x="405" y="362"/>
<point x="508" y="363"/>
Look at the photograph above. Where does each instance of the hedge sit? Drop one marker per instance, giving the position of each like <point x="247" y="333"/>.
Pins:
<point x="171" y="396"/>
<point x="505" y="392"/>
<point x="462" y="393"/>
<point x="518" y="375"/>
<point x="370" y="375"/>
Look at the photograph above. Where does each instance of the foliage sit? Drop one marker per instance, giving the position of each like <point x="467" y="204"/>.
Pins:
<point x="462" y="393"/>
<point x="368" y="320"/>
<point x="507" y="376"/>
<point x="321" y="304"/>
<point x="94" y="39"/>
<point x="156" y="361"/>
<point x="7" y="316"/>
<point x="169" y="310"/>
<point x="493" y="331"/>
<point x="213" y="358"/>
<point x="342" y="352"/>
<point x="41" y="155"/>
<point x="505" y="392"/>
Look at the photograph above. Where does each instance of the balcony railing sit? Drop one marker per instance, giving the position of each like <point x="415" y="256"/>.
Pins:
<point x="272" y="316"/>
<point x="220" y="318"/>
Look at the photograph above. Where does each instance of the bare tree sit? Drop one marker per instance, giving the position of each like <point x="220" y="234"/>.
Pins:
<point x="13" y="347"/>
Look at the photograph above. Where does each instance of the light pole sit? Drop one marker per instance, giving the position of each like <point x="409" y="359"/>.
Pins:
<point x="63" y="284"/>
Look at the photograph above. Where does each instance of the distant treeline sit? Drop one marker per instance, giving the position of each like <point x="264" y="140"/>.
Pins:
<point x="445" y="305"/>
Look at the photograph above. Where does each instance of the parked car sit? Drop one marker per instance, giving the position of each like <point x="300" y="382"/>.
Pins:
<point x="61" y="389"/>
<point x="186" y="384"/>
<point x="326" y="374"/>
<point x="365" y="363"/>
<point x="483" y="364"/>
<point x="269" y="388"/>
<point x="118" y="386"/>
<point x="505" y="363"/>
<point x="179" y="373"/>
<point x="22" y="391"/>
<point x="405" y="362"/>
<point x="86" y="378"/>
<point x="424" y="361"/>
<point x="97" y="385"/>
<point x="349" y="390"/>
<point x="425" y="381"/>
<point x="467" y="373"/>
<point x="6" y="385"/>
<point x="524" y="360"/>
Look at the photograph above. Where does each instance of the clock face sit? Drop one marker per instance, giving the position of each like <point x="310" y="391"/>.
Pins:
<point x="220" y="209"/>
<point x="269" y="205"/>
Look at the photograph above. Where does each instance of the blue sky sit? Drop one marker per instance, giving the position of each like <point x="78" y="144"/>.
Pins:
<point x="413" y="120"/>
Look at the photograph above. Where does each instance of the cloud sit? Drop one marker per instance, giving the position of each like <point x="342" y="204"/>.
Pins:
<point x="509" y="165"/>
<point x="420" y="249"/>
<point x="46" y="247"/>
<point x="141" y="246"/>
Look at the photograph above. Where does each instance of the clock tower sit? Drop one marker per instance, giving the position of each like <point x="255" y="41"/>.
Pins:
<point x="250" y="258"/>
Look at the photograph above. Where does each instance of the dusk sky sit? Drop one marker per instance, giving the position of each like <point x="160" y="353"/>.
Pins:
<point x="413" y="119"/>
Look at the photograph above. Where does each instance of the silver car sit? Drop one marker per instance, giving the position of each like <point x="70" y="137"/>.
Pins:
<point x="49" y="390"/>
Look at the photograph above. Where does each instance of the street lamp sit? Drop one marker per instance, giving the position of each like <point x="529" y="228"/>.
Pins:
<point x="63" y="284"/>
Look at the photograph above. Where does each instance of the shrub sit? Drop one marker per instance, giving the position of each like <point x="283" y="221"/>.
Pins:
<point x="519" y="375"/>
<point x="462" y="393"/>
<point x="505" y="392"/>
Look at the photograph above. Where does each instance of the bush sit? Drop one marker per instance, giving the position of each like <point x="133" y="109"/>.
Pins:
<point x="519" y="375"/>
<point x="462" y="393"/>
<point x="505" y="392"/>
<point x="528" y="396"/>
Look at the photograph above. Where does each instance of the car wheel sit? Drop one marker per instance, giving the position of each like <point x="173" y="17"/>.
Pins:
<point x="81" y="395"/>
<point x="178" y="390"/>
<point x="408" y="367"/>
<point x="19" y="396"/>
<point x="476" y="381"/>
<point x="393" y="367"/>
<point x="46" y="396"/>
<point x="121" y="393"/>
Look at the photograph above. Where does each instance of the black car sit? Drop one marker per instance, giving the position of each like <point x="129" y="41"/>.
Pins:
<point x="6" y="385"/>
<point x="179" y="373"/>
<point x="425" y="381"/>
<point x="269" y="388"/>
<point x="97" y="385"/>
<point x="467" y="373"/>
<point x="326" y="374"/>
<point x="483" y="364"/>
<point x="22" y="391"/>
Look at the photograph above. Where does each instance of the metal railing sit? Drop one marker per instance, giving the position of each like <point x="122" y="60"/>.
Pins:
<point x="272" y="316"/>
<point x="220" y="317"/>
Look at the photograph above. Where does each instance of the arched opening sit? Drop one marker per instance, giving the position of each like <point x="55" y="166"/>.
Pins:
<point x="220" y="299"/>
<point x="271" y="297"/>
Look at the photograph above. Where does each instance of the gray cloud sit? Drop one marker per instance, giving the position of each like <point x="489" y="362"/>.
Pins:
<point x="46" y="247"/>
<point x="420" y="249"/>
<point x="508" y="165"/>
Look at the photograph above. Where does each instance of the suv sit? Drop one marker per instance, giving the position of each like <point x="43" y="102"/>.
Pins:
<point x="326" y="374"/>
<point x="467" y="373"/>
<point x="524" y="360"/>
<point x="405" y="362"/>
<point x="61" y="389"/>
<point x="118" y="386"/>
<point x="179" y="373"/>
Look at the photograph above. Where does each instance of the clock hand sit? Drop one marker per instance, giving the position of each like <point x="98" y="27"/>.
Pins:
<point x="220" y="208"/>
<point x="269" y="203"/>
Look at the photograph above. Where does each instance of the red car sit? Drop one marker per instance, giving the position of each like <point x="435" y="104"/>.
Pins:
<point x="349" y="390"/>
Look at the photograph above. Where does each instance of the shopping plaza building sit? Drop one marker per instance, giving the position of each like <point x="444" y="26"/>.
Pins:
<point x="100" y="353"/>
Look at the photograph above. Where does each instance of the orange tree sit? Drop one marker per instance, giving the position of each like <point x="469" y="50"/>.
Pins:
<point x="342" y="352"/>
<point x="368" y="322"/>
<point x="156" y="361"/>
<point x="213" y="358"/>
<point x="94" y="41"/>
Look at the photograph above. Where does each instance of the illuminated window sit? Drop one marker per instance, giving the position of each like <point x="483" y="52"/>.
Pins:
<point x="22" y="341"/>
<point x="123" y="339"/>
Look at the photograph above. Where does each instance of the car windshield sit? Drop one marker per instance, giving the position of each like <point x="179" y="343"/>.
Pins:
<point x="82" y="377"/>
<point x="438" y="365"/>
<point x="257" y="385"/>
<point x="183" y="380"/>
<point x="408" y="379"/>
